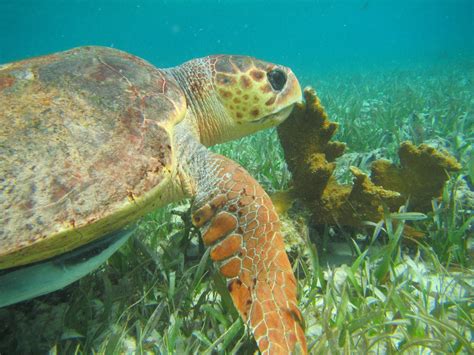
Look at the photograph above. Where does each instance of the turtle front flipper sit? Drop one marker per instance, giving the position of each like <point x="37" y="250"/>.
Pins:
<point x="241" y="226"/>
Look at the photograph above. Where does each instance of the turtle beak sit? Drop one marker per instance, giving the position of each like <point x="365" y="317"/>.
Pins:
<point x="295" y="87"/>
<point x="291" y="93"/>
<point x="275" y="118"/>
<point x="289" y="96"/>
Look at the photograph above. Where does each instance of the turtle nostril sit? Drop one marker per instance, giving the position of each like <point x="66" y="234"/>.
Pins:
<point x="277" y="79"/>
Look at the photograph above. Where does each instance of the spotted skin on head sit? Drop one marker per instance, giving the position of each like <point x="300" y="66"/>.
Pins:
<point x="241" y="226"/>
<point x="243" y="86"/>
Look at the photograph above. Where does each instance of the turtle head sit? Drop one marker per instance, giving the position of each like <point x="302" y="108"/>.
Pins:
<point x="230" y="96"/>
<point x="255" y="94"/>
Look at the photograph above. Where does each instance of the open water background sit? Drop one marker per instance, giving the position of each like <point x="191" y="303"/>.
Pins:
<point x="320" y="36"/>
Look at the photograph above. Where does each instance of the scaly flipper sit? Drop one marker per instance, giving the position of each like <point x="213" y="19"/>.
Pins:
<point x="241" y="226"/>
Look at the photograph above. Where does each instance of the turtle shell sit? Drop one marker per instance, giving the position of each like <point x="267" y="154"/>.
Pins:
<point x="86" y="146"/>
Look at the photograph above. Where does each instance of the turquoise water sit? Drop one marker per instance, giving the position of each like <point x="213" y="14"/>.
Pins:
<point x="315" y="35"/>
<point x="372" y="63"/>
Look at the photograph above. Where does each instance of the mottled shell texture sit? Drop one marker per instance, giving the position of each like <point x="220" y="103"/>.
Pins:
<point x="86" y="142"/>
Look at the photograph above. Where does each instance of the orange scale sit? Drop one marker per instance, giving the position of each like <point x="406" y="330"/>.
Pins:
<point x="260" y="249"/>
<point x="280" y="278"/>
<point x="246" y="278"/>
<point x="290" y="292"/>
<point x="282" y="261"/>
<point x="251" y="253"/>
<point x="253" y="208"/>
<point x="218" y="202"/>
<point x="291" y="280"/>
<point x="288" y="321"/>
<point x="263" y="344"/>
<point x="232" y="195"/>
<point x="277" y="342"/>
<point x="292" y="338"/>
<point x="264" y="295"/>
<point x="248" y="236"/>
<point x="260" y="331"/>
<point x="252" y="225"/>
<point x="237" y="187"/>
<point x="251" y="216"/>
<point x="256" y="260"/>
<point x="240" y="176"/>
<point x="229" y="185"/>
<point x="261" y="276"/>
<point x="266" y="199"/>
<point x="222" y="224"/>
<point x="262" y="246"/>
<point x="279" y="296"/>
<point x="271" y="277"/>
<point x="275" y="336"/>
<point x="231" y="268"/>
<point x="245" y="200"/>
<point x="271" y="253"/>
<point x="259" y="192"/>
<point x="269" y="306"/>
<point x="226" y="248"/>
<point x="260" y="229"/>
<point x="202" y="215"/>
<point x="273" y="216"/>
<point x="240" y="296"/>
<point x="244" y="210"/>
<point x="267" y="216"/>
<point x="269" y="237"/>
<point x="278" y="240"/>
<point x="262" y="209"/>
<point x="247" y="263"/>
<point x="256" y="313"/>
<point x="273" y="320"/>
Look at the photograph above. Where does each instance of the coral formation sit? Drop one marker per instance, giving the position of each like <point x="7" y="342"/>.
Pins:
<point x="421" y="175"/>
<point x="305" y="137"/>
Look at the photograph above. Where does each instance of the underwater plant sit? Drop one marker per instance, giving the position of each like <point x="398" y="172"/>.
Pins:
<point x="306" y="140"/>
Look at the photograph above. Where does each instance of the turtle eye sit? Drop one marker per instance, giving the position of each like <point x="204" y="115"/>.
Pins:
<point x="277" y="79"/>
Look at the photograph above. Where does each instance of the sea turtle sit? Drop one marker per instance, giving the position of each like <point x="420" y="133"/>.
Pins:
<point x="93" y="138"/>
